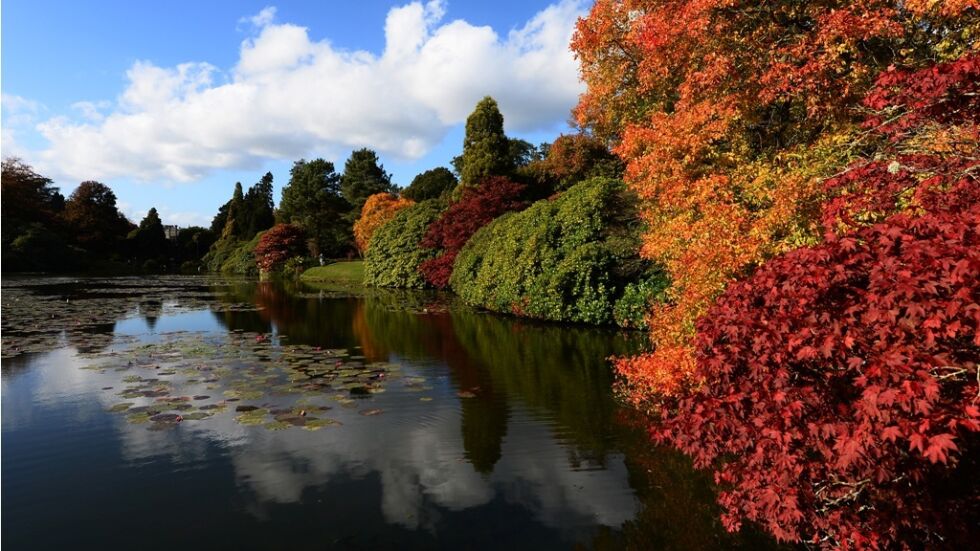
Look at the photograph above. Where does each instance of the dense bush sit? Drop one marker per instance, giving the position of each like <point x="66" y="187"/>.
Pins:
<point x="842" y="384"/>
<point x="230" y="256"/>
<point x="378" y="209"/>
<point x="476" y="207"/>
<point x="278" y="245"/>
<point x="395" y="250"/>
<point x="837" y="387"/>
<point x="728" y="116"/>
<point x="633" y="308"/>
<point x="556" y="260"/>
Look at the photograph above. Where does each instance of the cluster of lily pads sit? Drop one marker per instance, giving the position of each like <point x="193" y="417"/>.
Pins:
<point x="258" y="377"/>
<point x="40" y="315"/>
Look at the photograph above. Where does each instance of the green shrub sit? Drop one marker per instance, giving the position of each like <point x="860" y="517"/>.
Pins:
<point x="632" y="308"/>
<point x="563" y="259"/>
<point x="231" y="256"/>
<point x="242" y="260"/>
<point x="395" y="251"/>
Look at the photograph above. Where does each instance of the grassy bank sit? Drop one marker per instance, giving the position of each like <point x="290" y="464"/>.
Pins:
<point x="340" y="272"/>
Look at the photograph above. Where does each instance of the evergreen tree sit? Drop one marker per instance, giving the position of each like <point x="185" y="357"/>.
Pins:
<point x="486" y="149"/>
<point x="149" y="239"/>
<point x="363" y="177"/>
<point x="234" y="224"/>
<point x="219" y="220"/>
<point x="312" y="200"/>
<point x="258" y="204"/>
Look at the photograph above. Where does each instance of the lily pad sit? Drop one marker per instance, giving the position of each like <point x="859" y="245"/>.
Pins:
<point x="167" y="418"/>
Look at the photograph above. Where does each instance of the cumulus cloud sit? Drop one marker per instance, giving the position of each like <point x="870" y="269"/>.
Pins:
<point x="19" y="114"/>
<point x="290" y="96"/>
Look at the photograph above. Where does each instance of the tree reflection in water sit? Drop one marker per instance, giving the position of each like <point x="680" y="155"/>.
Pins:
<point x="559" y="373"/>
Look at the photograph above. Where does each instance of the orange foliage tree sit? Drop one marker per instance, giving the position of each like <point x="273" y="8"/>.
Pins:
<point x="378" y="209"/>
<point x="729" y="116"/>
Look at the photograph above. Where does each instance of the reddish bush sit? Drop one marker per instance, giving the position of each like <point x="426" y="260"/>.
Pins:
<point x="947" y="93"/>
<point x="475" y="208"/>
<point x="843" y="382"/>
<point x="279" y="244"/>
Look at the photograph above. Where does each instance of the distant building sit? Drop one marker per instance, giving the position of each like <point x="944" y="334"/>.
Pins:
<point x="171" y="232"/>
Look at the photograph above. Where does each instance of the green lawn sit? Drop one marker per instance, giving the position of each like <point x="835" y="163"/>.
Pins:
<point x="346" y="272"/>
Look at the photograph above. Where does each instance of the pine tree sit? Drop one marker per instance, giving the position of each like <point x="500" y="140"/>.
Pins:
<point x="312" y="201"/>
<point x="363" y="177"/>
<point x="486" y="149"/>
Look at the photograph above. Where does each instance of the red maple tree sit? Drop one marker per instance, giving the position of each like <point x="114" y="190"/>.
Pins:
<point x="839" y="401"/>
<point x="477" y="207"/>
<point x="279" y="244"/>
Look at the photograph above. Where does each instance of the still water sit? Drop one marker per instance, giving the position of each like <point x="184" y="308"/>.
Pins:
<point x="188" y="412"/>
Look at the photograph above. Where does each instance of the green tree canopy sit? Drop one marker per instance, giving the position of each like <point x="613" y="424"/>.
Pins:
<point x="27" y="197"/>
<point x="312" y="200"/>
<point x="93" y="219"/>
<point x="148" y="239"/>
<point x="32" y="232"/>
<point x="363" y="177"/>
<point x="486" y="149"/>
<point x="194" y="242"/>
<point x="430" y="184"/>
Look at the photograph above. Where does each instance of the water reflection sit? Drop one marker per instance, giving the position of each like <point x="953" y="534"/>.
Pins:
<point x="520" y="444"/>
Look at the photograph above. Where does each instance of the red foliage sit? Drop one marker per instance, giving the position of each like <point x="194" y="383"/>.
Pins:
<point x="475" y="208"/>
<point x="948" y="93"/>
<point x="839" y="383"/>
<point x="279" y="244"/>
<point x="841" y="377"/>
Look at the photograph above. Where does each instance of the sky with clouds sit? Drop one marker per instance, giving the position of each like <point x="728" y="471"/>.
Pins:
<point x="171" y="104"/>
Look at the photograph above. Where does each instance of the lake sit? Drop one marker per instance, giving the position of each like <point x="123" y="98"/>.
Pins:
<point x="198" y="412"/>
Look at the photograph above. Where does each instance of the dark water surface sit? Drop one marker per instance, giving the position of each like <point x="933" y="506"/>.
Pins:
<point x="385" y="420"/>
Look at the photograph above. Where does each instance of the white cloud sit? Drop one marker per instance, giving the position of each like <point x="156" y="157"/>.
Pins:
<point x="91" y="111"/>
<point x="18" y="114"/>
<point x="291" y="96"/>
<point x="261" y="19"/>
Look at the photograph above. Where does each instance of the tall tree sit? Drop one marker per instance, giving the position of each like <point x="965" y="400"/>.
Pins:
<point x="149" y="238"/>
<point x="430" y="184"/>
<point x="363" y="177"/>
<point x="32" y="233"/>
<point x="27" y="196"/>
<point x="258" y="205"/>
<point x="486" y="149"/>
<point x="234" y="225"/>
<point x="93" y="219"/>
<point x="729" y="116"/>
<point x="312" y="200"/>
<point x="194" y="242"/>
<point x="219" y="220"/>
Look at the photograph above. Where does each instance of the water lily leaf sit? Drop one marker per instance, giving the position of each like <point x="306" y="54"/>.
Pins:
<point x="138" y="418"/>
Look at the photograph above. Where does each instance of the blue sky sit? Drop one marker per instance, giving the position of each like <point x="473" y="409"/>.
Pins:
<point x="172" y="102"/>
